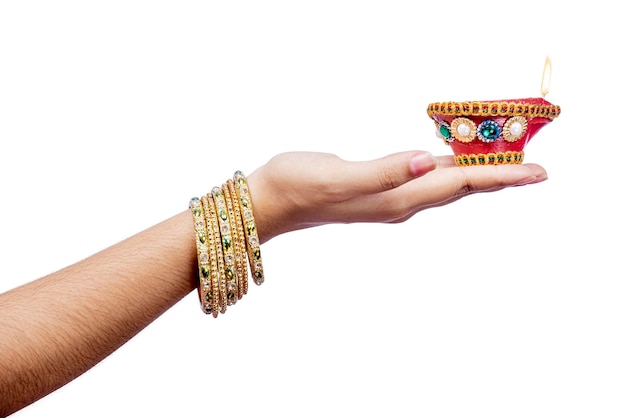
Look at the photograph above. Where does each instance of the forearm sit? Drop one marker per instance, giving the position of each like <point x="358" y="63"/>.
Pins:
<point x="54" y="329"/>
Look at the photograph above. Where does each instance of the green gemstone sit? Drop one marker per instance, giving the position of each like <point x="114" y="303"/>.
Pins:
<point x="227" y="242"/>
<point x="205" y="271"/>
<point x="445" y="131"/>
<point x="257" y="254"/>
<point x="230" y="274"/>
<point x="223" y="214"/>
<point x="202" y="237"/>
<point x="245" y="202"/>
<point x="250" y="228"/>
<point x="197" y="212"/>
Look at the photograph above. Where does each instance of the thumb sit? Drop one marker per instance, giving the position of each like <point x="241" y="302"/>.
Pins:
<point x="386" y="173"/>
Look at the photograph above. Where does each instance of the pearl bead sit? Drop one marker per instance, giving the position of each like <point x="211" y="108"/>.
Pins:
<point x="463" y="129"/>
<point x="516" y="129"/>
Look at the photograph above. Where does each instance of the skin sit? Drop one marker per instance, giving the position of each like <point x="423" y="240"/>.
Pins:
<point x="57" y="327"/>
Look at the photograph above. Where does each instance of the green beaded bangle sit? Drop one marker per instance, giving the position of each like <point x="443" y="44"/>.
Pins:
<point x="252" y="238"/>
<point x="230" y="270"/>
<point x="202" y="250"/>
<point x="239" y="240"/>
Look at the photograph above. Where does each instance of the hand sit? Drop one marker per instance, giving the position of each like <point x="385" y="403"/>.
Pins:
<point x="298" y="190"/>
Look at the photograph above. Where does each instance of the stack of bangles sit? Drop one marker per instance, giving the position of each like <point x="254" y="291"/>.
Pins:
<point x="225" y="236"/>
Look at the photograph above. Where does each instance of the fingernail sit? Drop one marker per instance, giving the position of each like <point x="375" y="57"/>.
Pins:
<point x="532" y="180"/>
<point x="526" y="180"/>
<point x="421" y="163"/>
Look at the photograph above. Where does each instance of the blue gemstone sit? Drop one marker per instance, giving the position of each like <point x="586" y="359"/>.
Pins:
<point x="489" y="130"/>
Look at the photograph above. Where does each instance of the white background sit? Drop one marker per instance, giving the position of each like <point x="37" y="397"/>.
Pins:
<point x="113" y="114"/>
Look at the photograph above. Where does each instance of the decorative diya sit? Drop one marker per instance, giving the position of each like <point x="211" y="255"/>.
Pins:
<point x="494" y="131"/>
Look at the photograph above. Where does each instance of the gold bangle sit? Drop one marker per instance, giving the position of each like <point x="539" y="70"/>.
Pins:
<point x="230" y="271"/>
<point x="239" y="241"/>
<point x="209" y="208"/>
<point x="202" y="249"/>
<point x="226" y="235"/>
<point x="252" y="238"/>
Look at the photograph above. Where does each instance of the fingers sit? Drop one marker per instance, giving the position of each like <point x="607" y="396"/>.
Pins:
<point x="299" y="190"/>
<point x="440" y="187"/>
<point x="387" y="173"/>
<point x="364" y="178"/>
<point x="452" y="183"/>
